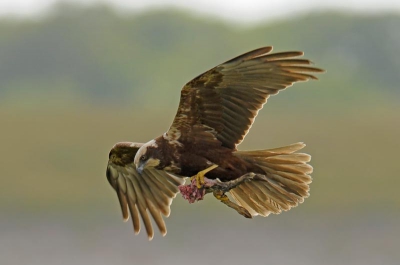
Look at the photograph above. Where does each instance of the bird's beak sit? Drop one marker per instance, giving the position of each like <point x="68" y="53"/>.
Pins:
<point x="140" y="168"/>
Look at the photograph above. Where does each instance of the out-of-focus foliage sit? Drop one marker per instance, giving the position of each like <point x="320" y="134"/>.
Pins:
<point x="62" y="76"/>
<point x="98" y="55"/>
<point x="78" y="80"/>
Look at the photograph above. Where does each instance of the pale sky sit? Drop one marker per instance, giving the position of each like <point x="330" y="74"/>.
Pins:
<point x="239" y="11"/>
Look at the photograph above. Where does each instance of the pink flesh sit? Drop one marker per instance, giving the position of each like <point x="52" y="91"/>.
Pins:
<point x="192" y="194"/>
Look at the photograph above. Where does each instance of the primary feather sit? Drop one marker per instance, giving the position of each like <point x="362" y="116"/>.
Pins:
<point x="216" y="111"/>
<point x="145" y="195"/>
<point x="226" y="99"/>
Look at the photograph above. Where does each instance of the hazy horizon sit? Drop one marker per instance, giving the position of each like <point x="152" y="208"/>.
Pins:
<point x="242" y="12"/>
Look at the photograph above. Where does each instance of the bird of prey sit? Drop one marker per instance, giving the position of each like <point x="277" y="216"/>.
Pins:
<point x="216" y="111"/>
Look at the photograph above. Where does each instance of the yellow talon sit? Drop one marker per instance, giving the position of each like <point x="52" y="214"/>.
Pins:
<point x="220" y="195"/>
<point x="200" y="176"/>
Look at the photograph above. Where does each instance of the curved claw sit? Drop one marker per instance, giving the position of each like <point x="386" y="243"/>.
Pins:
<point x="200" y="176"/>
<point x="220" y="195"/>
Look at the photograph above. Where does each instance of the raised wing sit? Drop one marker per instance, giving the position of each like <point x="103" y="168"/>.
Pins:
<point x="226" y="99"/>
<point x="149" y="194"/>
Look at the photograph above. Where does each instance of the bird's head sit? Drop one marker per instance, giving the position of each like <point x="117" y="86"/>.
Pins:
<point x="148" y="155"/>
<point x="123" y="153"/>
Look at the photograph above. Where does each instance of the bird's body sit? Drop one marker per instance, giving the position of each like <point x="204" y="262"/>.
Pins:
<point x="215" y="113"/>
<point x="187" y="158"/>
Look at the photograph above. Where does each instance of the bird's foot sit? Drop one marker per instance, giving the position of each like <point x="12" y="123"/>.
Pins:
<point x="192" y="193"/>
<point x="199" y="177"/>
<point x="220" y="195"/>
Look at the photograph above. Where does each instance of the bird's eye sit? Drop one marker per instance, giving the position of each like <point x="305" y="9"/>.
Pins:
<point x="143" y="158"/>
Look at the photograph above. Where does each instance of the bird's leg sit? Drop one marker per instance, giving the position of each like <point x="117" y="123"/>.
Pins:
<point x="200" y="176"/>
<point x="220" y="195"/>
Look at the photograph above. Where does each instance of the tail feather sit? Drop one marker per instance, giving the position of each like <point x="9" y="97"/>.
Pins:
<point x="241" y="197"/>
<point x="284" y="185"/>
<point x="271" y="201"/>
<point x="275" y="151"/>
<point x="253" y="199"/>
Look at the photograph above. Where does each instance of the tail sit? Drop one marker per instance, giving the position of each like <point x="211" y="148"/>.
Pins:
<point x="286" y="180"/>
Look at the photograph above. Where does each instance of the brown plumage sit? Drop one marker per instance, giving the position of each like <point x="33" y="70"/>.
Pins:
<point x="215" y="113"/>
<point x="140" y="194"/>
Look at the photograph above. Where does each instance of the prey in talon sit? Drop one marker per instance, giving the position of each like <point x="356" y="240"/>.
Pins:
<point x="199" y="177"/>
<point x="215" y="113"/>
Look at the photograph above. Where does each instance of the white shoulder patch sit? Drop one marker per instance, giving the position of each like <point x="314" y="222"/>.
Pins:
<point x="152" y="143"/>
<point x="175" y="141"/>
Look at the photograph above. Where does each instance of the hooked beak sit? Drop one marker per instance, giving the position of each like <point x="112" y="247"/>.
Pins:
<point x="150" y="163"/>
<point x="140" y="168"/>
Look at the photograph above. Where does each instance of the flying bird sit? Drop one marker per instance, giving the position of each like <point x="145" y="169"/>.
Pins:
<point x="216" y="111"/>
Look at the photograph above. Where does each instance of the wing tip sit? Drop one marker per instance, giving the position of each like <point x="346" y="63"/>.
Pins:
<point x="266" y="49"/>
<point x="298" y="53"/>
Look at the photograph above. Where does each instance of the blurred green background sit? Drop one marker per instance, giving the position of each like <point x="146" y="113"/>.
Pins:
<point x="79" y="79"/>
